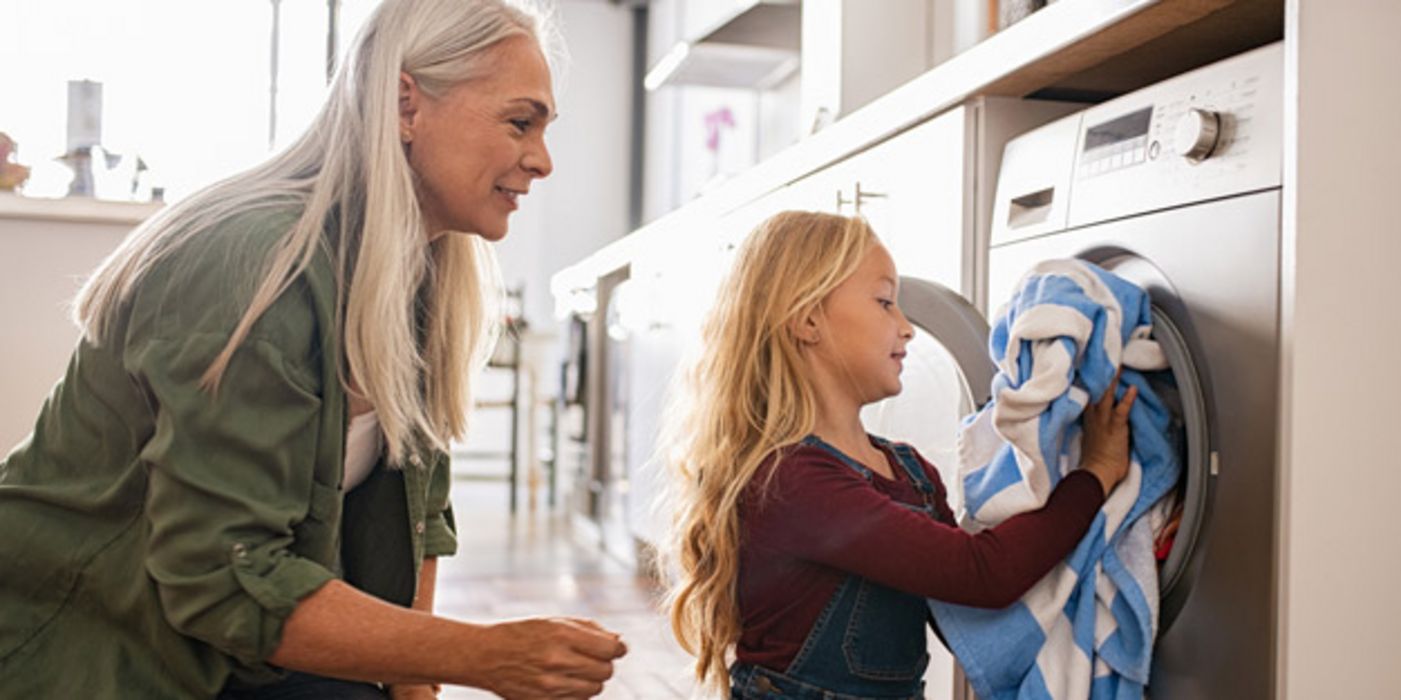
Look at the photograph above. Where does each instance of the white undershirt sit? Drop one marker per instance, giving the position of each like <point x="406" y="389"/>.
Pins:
<point x="362" y="446"/>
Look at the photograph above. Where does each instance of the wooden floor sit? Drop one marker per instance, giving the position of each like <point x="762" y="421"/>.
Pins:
<point x="530" y="565"/>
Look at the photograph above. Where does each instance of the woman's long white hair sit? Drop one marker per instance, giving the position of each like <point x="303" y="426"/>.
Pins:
<point x="350" y="164"/>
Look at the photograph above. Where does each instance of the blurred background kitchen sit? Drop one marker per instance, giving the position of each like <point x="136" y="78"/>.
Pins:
<point x="684" y="123"/>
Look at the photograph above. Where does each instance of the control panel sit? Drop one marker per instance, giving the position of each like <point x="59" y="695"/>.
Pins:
<point x="1209" y="133"/>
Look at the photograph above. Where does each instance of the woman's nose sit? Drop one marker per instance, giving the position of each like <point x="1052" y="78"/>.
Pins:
<point x="537" y="161"/>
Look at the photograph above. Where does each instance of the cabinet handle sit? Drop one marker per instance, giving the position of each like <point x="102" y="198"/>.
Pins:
<point x="858" y="200"/>
<point x="863" y="196"/>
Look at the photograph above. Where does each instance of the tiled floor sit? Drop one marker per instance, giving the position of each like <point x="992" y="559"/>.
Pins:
<point x="530" y="565"/>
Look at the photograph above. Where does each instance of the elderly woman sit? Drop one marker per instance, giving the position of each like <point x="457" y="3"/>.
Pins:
<point x="239" y="489"/>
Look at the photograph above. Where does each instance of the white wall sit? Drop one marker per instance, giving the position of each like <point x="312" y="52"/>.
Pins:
<point x="1340" y="548"/>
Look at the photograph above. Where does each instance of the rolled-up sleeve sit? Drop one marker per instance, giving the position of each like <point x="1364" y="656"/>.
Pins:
<point x="440" y="529"/>
<point x="230" y="476"/>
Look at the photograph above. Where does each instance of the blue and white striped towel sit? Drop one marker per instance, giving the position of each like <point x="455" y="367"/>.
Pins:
<point x="1086" y="630"/>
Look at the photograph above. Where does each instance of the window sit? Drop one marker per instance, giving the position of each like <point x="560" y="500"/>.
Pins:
<point x="185" y="83"/>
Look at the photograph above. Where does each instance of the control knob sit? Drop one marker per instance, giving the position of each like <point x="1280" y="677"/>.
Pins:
<point x="1197" y="133"/>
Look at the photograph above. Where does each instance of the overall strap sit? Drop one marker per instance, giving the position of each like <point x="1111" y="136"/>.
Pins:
<point x="863" y="470"/>
<point x="905" y="456"/>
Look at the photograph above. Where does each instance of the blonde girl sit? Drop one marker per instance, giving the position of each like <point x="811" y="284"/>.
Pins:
<point x="805" y="548"/>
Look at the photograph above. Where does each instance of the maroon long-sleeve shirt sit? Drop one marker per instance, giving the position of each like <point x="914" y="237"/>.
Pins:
<point x="819" y="520"/>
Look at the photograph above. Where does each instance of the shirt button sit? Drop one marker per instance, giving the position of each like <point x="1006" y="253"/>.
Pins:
<point x="418" y="527"/>
<point x="239" y="550"/>
<point x="414" y="460"/>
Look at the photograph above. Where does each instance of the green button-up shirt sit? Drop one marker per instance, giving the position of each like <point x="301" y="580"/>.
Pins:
<point x="154" y="537"/>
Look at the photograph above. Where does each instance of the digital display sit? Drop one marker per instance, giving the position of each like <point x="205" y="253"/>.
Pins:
<point x="1129" y="126"/>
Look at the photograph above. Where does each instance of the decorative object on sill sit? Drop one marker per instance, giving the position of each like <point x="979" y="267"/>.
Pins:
<point x="79" y="160"/>
<point x="717" y="122"/>
<point x="12" y="175"/>
<point x="1013" y="11"/>
<point x="105" y="175"/>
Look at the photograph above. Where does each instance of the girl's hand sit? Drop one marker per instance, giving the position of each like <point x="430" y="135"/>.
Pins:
<point x="1104" y="448"/>
<point x="548" y="658"/>
<point x="414" y="692"/>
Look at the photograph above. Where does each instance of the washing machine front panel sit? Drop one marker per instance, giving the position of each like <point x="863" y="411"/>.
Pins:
<point x="1219" y="266"/>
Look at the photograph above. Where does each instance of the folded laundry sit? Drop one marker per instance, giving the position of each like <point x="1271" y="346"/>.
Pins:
<point x="1087" y="629"/>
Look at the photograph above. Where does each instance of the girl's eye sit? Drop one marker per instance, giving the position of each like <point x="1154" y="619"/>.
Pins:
<point x="886" y="303"/>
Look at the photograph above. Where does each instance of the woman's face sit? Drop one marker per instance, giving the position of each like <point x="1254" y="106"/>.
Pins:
<point x="476" y="149"/>
<point x="862" y="331"/>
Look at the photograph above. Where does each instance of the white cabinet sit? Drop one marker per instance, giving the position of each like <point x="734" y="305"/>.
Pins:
<point x="911" y="189"/>
<point x="854" y="51"/>
<point x="47" y="247"/>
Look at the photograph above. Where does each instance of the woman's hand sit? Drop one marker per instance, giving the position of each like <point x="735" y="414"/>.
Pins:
<point x="1104" y="449"/>
<point x="414" y="692"/>
<point x="547" y="658"/>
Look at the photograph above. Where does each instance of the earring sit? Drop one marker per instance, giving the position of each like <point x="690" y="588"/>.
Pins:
<point x="405" y="137"/>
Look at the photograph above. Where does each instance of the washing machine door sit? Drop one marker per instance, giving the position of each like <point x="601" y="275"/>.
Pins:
<point x="1187" y="401"/>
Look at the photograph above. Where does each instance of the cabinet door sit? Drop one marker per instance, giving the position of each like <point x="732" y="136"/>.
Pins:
<point x="911" y="188"/>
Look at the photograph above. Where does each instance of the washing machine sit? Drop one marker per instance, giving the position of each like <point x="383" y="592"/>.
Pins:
<point x="1176" y="187"/>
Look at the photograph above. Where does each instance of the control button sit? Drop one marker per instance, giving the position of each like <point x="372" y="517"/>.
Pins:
<point x="1196" y="134"/>
<point x="1153" y="149"/>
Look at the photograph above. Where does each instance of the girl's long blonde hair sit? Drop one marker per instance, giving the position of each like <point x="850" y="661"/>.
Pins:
<point x="350" y="164"/>
<point x="747" y="397"/>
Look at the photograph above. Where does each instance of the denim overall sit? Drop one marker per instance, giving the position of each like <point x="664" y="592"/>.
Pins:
<point x="869" y="641"/>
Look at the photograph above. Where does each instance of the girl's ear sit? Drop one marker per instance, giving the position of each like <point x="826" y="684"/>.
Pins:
<point x="806" y="328"/>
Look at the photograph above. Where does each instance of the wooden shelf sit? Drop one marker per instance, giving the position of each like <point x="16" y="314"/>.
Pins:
<point x="1162" y="41"/>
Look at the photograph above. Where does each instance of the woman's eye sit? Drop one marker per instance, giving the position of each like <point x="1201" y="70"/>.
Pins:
<point x="521" y="125"/>
<point x="886" y="303"/>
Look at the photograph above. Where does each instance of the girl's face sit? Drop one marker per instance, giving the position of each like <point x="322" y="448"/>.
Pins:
<point x="862" y="334"/>
<point x="476" y="149"/>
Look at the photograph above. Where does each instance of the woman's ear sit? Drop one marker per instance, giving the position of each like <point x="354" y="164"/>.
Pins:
<point x="409" y="98"/>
